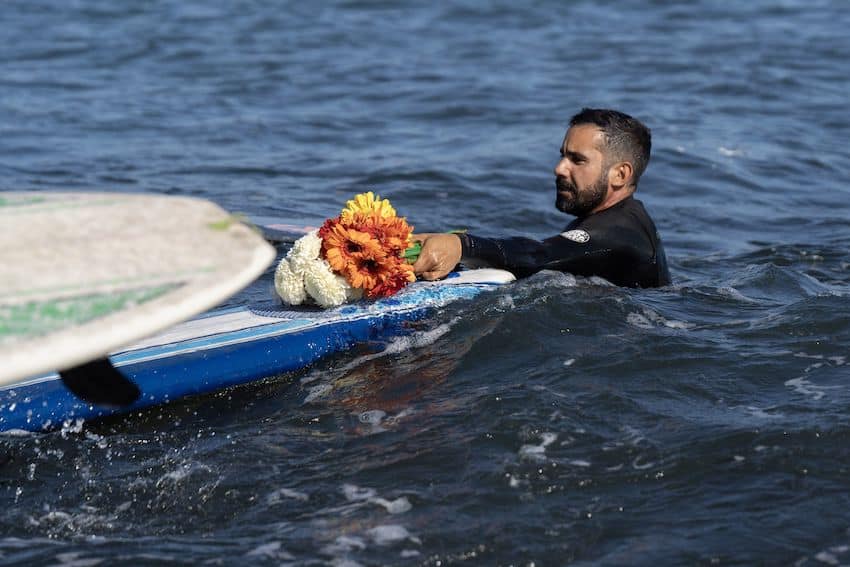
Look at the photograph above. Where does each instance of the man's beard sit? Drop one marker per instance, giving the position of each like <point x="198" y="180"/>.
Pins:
<point x="569" y="200"/>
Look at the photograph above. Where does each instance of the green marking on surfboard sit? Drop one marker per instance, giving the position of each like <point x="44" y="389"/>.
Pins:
<point x="227" y="222"/>
<point x="137" y="280"/>
<point x="38" y="318"/>
<point x="10" y="202"/>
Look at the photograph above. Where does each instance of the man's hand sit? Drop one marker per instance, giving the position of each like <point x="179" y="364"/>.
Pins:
<point x="440" y="254"/>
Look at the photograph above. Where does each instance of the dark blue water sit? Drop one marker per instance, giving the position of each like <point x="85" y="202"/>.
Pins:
<point x="557" y="421"/>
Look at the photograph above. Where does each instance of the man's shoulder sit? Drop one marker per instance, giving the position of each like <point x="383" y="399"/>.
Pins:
<point x="623" y="226"/>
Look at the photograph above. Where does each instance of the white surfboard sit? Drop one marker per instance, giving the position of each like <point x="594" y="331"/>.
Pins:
<point x="84" y="274"/>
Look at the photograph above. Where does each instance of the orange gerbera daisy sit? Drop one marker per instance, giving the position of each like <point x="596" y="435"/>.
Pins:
<point x="392" y="232"/>
<point x="365" y="245"/>
<point x="341" y="246"/>
<point x="355" y="254"/>
<point x="370" y="273"/>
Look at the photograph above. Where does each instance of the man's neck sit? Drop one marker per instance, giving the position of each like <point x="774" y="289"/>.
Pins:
<point x="613" y="197"/>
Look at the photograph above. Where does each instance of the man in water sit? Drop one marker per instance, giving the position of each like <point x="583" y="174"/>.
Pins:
<point x="603" y="156"/>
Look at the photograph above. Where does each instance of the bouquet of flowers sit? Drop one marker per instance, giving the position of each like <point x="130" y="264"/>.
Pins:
<point x="364" y="252"/>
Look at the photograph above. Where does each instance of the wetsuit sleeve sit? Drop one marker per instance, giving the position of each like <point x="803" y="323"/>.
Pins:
<point x="621" y="255"/>
<point x="526" y="256"/>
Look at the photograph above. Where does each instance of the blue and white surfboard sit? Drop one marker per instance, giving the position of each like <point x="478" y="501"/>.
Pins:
<point x="238" y="346"/>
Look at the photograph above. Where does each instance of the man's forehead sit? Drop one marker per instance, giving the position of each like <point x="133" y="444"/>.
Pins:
<point x="584" y="138"/>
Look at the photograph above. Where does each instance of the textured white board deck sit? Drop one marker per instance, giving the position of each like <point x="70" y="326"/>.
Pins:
<point x="83" y="274"/>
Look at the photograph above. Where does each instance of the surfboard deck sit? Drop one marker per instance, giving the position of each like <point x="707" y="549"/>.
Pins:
<point x="85" y="274"/>
<point x="238" y="346"/>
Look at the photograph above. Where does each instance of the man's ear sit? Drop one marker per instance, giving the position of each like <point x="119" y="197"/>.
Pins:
<point x="620" y="174"/>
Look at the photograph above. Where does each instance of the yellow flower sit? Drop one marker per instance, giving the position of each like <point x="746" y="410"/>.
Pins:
<point x="367" y="203"/>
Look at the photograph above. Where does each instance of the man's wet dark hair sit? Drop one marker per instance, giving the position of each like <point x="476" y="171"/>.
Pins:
<point x="626" y="138"/>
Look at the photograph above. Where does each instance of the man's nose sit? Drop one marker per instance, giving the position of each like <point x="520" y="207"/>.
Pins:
<point x="562" y="168"/>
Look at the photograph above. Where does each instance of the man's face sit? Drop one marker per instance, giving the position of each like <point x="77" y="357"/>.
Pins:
<point x="581" y="183"/>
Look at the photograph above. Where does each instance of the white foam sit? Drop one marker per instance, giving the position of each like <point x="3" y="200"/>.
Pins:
<point x="273" y="550"/>
<point x="73" y="559"/>
<point x="828" y="558"/>
<point x="71" y="426"/>
<point x="317" y="392"/>
<point x="391" y="533"/>
<point x="354" y="493"/>
<point x="359" y="494"/>
<point x="808" y="388"/>
<point x="281" y="493"/>
<point x="182" y="472"/>
<point x="730" y="152"/>
<point x="760" y="413"/>
<point x="537" y="452"/>
<point x="650" y="319"/>
<point x="397" y="506"/>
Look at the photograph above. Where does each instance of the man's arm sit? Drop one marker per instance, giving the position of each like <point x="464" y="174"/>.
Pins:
<point x="522" y="256"/>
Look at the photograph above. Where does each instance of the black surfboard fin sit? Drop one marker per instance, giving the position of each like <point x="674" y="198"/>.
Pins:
<point x="99" y="382"/>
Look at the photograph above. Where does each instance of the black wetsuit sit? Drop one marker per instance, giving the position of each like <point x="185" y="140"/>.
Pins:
<point x="620" y="244"/>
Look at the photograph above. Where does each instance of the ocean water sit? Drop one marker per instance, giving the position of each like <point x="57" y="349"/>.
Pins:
<point x="555" y="421"/>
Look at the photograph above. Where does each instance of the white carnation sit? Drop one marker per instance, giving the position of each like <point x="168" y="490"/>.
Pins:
<point x="304" y="251"/>
<point x="289" y="284"/>
<point x="324" y="286"/>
